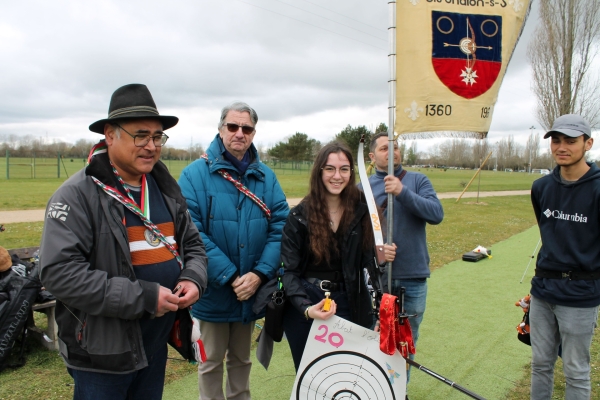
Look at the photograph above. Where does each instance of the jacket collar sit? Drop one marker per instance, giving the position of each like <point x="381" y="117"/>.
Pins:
<point x="382" y="174"/>
<point x="592" y="173"/>
<point x="101" y="169"/>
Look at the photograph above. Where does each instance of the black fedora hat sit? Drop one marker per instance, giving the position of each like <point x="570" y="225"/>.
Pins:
<point x="132" y="101"/>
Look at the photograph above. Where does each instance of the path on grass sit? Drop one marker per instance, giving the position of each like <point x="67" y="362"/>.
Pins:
<point x="12" y="217"/>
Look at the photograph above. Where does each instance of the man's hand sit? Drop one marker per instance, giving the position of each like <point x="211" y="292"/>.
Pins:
<point x="167" y="301"/>
<point x="244" y="286"/>
<point x="188" y="293"/>
<point x="392" y="185"/>
<point x="390" y="252"/>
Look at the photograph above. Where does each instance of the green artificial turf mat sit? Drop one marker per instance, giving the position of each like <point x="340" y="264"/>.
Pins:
<point x="468" y="334"/>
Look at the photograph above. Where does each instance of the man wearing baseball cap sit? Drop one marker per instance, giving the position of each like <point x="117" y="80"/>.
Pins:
<point x="121" y="255"/>
<point x="565" y="291"/>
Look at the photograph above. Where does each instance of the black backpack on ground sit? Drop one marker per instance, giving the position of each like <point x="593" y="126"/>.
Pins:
<point x="17" y="295"/>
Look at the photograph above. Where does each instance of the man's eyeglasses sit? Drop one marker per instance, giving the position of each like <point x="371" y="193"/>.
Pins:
<point x="329" y="170"/>
<point x="143" y="140"/>
<point x="246" y="129"/>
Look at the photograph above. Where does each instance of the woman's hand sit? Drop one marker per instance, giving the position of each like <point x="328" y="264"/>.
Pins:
<point x="316" y="311"/>
<point x="389" y="251"/>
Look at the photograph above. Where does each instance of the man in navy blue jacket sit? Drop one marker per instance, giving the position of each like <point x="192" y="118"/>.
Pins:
<point x="565" y="291"/>
<point x="415" y="205"/>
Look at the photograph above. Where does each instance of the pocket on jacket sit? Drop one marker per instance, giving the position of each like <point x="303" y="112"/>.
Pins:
<point x="110" y="343"/>
<point x="81" y="332"/>
<point x="209" y="215"/>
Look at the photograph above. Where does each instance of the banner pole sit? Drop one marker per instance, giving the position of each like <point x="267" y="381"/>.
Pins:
<point x="391" y="120"/>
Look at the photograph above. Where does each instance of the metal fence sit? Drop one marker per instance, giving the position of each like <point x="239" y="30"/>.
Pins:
<point x="51" y="165"/>
<point x="39" y="165"/>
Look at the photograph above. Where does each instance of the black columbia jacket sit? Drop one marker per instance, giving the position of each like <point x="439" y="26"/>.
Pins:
<point x="568" y="216"/>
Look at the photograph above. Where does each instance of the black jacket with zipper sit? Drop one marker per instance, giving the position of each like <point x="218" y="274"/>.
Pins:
<point x="86" y="264"/>
<point x="295" y="256"/>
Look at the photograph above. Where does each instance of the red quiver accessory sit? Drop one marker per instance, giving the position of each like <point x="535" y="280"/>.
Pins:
<point x="395" y="332"/>
<point x="523" y="327"/>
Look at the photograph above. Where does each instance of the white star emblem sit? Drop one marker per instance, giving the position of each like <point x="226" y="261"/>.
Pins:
<point x="469" y="76"/>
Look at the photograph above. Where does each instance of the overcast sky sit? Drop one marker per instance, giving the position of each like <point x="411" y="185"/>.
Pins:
<point x="311" y="66"/>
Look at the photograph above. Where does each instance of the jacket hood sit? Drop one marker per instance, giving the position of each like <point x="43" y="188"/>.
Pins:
<point x="593" y="173"/>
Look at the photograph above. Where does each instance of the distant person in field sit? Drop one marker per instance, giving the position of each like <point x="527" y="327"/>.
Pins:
<point x="121" y="254"/>
<point x="565" y="291"/>
<point x="241" y="227"/>
<point x="415" y="205"/>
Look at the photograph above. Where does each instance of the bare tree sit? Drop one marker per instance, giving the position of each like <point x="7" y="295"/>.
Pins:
<point x="481" y="149"/>
<point x="561" y="53"/>
<point x="532" y="149"/>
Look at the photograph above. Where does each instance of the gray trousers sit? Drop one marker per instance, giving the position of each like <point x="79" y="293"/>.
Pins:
<point x="229" y="342"/>
<point x="572" y="328"/>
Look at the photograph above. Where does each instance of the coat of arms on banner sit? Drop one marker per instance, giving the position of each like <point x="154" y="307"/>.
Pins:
<point x="342" y="360"/>
<point x="466" y="51"/>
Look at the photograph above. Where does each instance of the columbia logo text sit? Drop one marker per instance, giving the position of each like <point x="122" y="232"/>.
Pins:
<point x="564" y="216"/>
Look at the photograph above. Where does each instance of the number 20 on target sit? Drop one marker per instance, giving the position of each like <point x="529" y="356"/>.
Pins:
<point x="334" y="339"/>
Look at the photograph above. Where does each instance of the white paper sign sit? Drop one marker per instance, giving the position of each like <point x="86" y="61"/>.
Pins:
<point x="342" y="360"/>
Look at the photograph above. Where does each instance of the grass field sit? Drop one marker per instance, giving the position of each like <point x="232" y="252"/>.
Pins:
<point x="466" y="225"/>
<point x="28" y="194"/>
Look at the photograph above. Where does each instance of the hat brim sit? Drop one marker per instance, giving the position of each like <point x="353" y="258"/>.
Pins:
<point x="166" y="121"/>
<point x="568" y="132"/>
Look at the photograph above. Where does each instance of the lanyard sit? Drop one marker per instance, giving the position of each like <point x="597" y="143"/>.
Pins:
<point x="134" y="208"/>
<point x="144" y="205"/>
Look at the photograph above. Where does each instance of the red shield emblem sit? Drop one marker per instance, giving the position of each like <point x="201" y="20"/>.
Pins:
<point x="467" y="51"/>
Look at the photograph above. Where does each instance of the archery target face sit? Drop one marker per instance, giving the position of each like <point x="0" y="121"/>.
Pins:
<point x="342" y="361"/>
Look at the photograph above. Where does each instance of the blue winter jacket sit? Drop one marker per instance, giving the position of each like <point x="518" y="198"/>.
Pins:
<point x="237" y="235"/>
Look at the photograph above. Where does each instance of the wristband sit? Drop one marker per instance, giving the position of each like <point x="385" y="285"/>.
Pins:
<point x="306" y="312"/>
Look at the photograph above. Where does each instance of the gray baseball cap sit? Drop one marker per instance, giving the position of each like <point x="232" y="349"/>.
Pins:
<point x="572" y="125"/>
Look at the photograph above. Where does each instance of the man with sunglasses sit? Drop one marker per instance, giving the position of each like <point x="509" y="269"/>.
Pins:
<point x="121" y="254"/>
<point x="239" y="209"/>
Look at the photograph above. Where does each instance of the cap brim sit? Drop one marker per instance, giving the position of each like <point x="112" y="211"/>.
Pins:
<point x="166" y="120"/>
<point x="568" y="132"/>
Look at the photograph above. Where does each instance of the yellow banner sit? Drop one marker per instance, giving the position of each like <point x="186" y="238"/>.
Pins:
<point x="451" y="57"/>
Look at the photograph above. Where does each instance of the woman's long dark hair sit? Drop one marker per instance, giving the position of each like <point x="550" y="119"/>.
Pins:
<point x="320" y="233"/>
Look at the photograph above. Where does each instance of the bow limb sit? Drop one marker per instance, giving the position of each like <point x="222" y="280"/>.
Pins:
<point x="366" y="185"/>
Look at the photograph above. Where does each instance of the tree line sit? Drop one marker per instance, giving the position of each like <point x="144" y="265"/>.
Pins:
<point x="30" y="146"/>
<point x="459" y="153"/>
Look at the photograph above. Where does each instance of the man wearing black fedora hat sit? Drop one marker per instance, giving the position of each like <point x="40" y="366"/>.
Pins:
<point x="121" y="254"/>
<point x="565" y="291"/>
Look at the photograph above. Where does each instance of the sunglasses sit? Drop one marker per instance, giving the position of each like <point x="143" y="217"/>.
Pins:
<point x="246" y="129"/>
